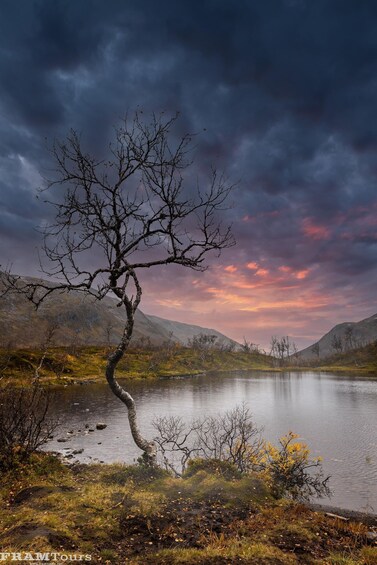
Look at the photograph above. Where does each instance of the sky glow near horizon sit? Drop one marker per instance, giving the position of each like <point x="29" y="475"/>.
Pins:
<point x="283" y="94"/>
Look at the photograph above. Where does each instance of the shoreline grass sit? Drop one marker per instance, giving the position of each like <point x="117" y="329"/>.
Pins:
<point x="64" y="366"/>
<point x="132" y="514"/>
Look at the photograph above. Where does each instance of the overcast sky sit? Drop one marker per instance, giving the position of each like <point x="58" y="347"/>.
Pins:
<point x="284" y="93"/>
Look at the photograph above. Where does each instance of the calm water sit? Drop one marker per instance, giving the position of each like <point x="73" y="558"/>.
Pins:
<point x="336" y="416"/>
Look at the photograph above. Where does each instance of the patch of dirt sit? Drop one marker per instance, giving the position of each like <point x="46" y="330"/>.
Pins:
<point x="293" y="542"/>
<point x="319" y="535"/>
<point x="179" y="523"/>
<point x="187" y="523"/>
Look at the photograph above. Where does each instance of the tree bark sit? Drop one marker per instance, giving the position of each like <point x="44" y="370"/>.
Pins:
<point x="148" y="447"/>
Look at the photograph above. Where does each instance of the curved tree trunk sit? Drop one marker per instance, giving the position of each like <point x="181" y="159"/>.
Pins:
<point x="148" y="447"/>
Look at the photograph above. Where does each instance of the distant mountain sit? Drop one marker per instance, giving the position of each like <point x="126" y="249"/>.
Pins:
<point x="75" y="318"/>
<point x="341" y="338"/>
<point x="184" y="332"/>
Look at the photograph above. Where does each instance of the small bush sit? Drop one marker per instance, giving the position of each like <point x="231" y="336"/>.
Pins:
<point x="231" y="443"/>
<point x="291" y="471"/>
<point x="231" y="437"/>
<point x="25" y="423"/>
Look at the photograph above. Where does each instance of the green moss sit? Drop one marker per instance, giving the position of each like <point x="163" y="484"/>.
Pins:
<point x="220" y="468"/>
<point x="243" y="493"/>
<point x="122" y="474"/>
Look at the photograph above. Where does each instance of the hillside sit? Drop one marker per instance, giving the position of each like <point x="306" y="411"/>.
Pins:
<point x="362" y="360"/>
<point x="184" y="332"/>
<point x="74" y="318"/>
<point x="342" y="338"/>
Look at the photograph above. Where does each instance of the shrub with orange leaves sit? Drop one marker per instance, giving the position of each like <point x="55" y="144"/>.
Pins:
<point x="290" y="470"/>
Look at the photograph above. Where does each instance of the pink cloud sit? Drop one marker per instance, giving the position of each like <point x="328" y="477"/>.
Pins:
<point x="314" y="231"/>
<point x="230" y="269"/>
<point x="299" y="275"/>
<point x="262" y="272"/>
<point x="285" y="269"/>
<point x="253" y="266"/>
<point x="302" y="274"/>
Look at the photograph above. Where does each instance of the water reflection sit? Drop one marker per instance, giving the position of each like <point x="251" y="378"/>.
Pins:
<point x="335" y="415"/>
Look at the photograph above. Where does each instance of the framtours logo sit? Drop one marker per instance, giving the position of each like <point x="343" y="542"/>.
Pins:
<point x="47" y="557"/>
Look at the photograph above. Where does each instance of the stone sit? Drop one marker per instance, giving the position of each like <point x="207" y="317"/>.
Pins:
<point x="101" y="426"/>
<point x="372" y="536"/>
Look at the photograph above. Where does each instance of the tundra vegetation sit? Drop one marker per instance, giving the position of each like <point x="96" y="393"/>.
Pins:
<point x="139" y="514"/>
<point x="69" y="365"/>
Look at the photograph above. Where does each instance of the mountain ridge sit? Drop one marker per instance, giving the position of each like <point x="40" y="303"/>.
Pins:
<point x="343" y="337"/>
<point x="76" y="318"/>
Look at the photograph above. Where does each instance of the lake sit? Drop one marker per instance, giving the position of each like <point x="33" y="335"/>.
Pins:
<point x="335" y="415"/>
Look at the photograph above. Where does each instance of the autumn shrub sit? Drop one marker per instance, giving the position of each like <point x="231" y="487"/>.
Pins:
<point x="232" y="443"/>
<point x="291" y="471"/>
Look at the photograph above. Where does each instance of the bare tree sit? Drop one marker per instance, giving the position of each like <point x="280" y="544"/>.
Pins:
<point x="162" y="353"/>
<point x="283" y="349"/>
<point x="246" y="346"/>
<point x="228" y="346"/>
<point x="109" y="333"/>
<point x="47" y="341"/>
<point x="293" y="353"/>
<point x="250" y="347"/>
<point x="204" y="344"/>
<point x="231" y="437"/>
<point x="118" y="216"/>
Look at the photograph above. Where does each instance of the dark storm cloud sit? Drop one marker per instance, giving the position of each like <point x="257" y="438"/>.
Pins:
<point x="285" y="89"/>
